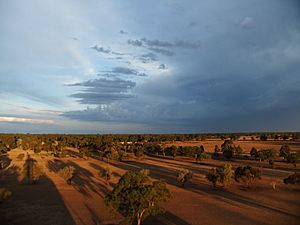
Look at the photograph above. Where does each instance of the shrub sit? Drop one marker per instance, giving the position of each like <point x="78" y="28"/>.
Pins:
<point x="184" y="175"/>
<point x="67" y="173"/>
<point x="292" y="179"/>
<point x="201" y="156"/>
<point x="106" y="173"/>
<point x="213" y="176"/>
<point x="246" y="174"/>
<point x="228" y="175"/>
<point x="4" y="194"/>
<point x="136" y="196"/>
<point x="32" y="171"/>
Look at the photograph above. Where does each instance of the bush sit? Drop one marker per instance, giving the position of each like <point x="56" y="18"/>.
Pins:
<point x="292" y="179"/>
<point x="213" y="176"/>
<point x="201" y="156"/>
<point x="184" y="175"/>
<point x="67" y="173"/>
<point x="228" y="175"/>
<point x="246" y="174"/>
<point x="4" y="194"/>
<point x="106" y="173"/>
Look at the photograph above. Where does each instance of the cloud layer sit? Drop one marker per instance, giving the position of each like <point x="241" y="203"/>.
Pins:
<point x="139" y="66"/>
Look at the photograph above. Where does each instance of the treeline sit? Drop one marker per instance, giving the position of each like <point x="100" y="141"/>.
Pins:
<point x="10" y="139"/>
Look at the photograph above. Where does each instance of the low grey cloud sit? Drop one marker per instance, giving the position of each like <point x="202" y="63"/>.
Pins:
<point x="164" y="44"/>
<point x="125" y="71"/>
<point x="148" y="57"/>
<point x="100" y="49"/>
<point x="123" y="32"/>
<point x="103" y="91"/>
<point x="162" y="51"/>
<point x="162" y="67"/>
<point x="135" y="43"/>
<point x="178" y="43"/>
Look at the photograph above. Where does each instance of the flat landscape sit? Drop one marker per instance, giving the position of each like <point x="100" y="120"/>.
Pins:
<point x="52" y="201"/>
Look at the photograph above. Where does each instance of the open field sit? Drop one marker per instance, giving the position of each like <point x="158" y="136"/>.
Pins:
<point x="52" y="201"/>
<point x="209" y="145"/>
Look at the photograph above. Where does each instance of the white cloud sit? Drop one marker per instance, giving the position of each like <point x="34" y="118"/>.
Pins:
<point x="24" y="120"/>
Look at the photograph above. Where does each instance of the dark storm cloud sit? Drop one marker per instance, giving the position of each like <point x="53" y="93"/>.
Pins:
<point x="101" y="91"/>
<point x="242" y="79"/>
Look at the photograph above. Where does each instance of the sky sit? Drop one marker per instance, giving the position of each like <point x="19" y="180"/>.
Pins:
<point x="160" y="66"/>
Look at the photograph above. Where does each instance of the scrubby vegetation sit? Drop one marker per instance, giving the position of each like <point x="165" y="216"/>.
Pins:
<point x="292" y="179"/>
<point x="247" y="174"/>
<point x="183" y="176"/>
<point x="67" y="173"/>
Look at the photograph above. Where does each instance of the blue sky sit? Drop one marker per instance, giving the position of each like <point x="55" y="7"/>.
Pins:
<point x="168" y="66"/>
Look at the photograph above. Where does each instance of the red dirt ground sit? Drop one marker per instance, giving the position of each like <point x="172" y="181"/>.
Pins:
<point x="53" y="202"/>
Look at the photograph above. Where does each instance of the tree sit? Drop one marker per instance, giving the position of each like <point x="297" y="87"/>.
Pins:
<point x="253" y="152"/>
<point x="67" y="173"/>
<point x="263" y="137"/>
<point x="246" y="174"/>
<point x="238" y="150"/>
<point x="4" y="194"/>
<point x="223" y="175"/>
<point x="228" y="149"/>
<point x="136" y="196"/>
<point x="293" y="158"/>
<point x="184" y="175"/>
<point x="292" y="179"/>
<point x="32" y="171"/>
<point x="266" y="154"/>
<point x="217" y="149"/>
<point x="284" y="151"/>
